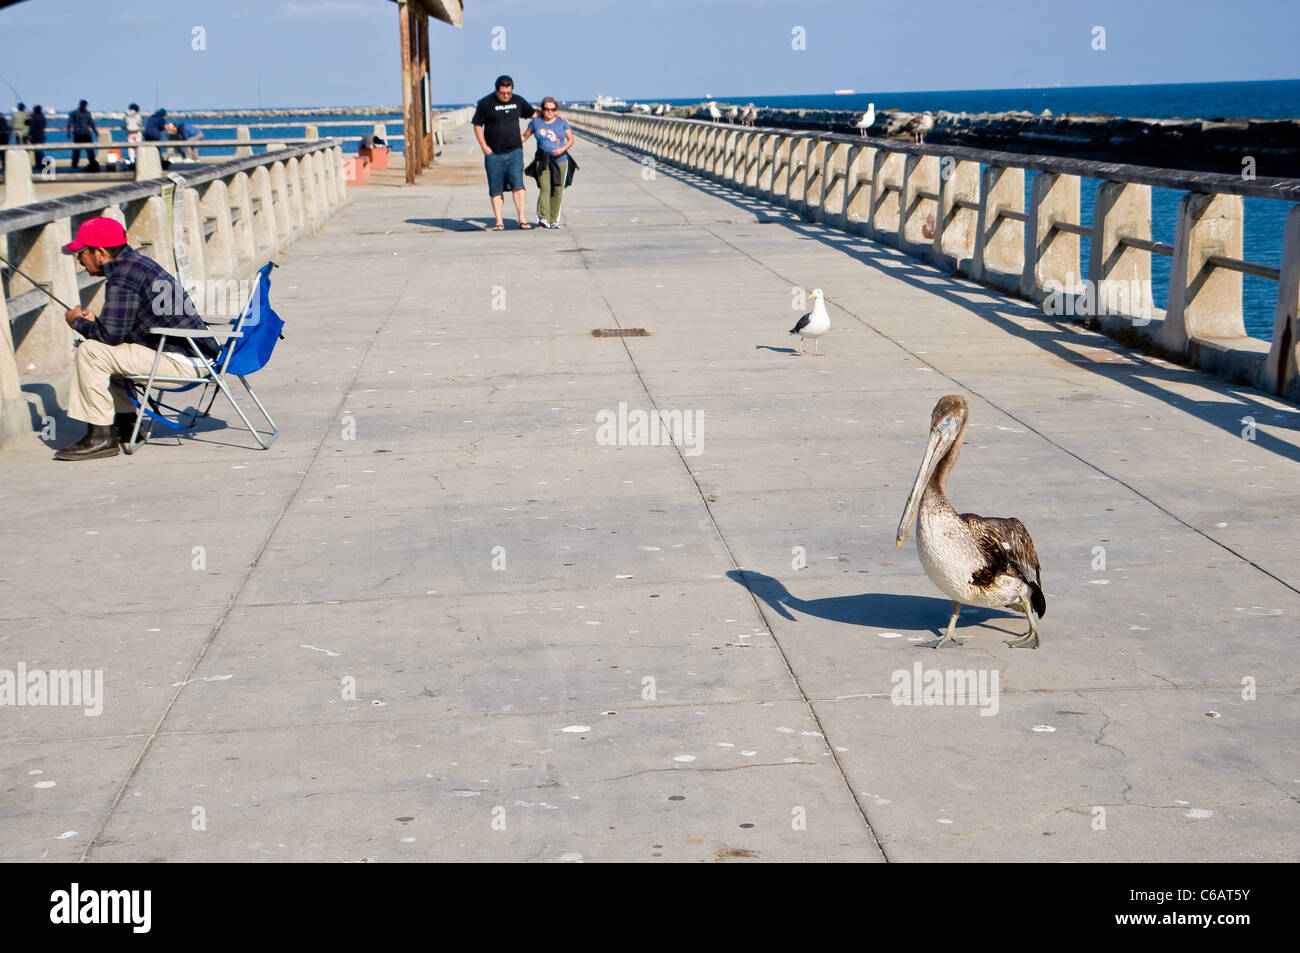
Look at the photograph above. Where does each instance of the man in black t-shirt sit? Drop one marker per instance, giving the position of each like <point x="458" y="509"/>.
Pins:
<point x="496" y="126"/>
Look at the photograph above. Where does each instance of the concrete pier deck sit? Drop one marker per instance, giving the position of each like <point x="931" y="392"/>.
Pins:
<point x="438" y="620"/>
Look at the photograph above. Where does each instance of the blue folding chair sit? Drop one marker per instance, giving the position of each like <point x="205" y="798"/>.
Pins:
<point x="245" y="348"/>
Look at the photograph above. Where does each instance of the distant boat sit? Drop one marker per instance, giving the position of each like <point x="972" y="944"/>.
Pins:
<point x="843" y="92"/>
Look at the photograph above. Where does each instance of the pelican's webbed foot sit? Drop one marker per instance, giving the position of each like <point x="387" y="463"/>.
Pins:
<point x="1030" y="639"/>
<point x="948" y="638"/>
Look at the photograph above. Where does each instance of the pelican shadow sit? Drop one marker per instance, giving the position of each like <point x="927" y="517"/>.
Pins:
<point x="877" y="610"/>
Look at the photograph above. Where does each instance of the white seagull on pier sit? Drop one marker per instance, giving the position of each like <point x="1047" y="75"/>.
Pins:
<point x="868" y="119"/>
<point x="714" y="114"/>
<point x="813" y="324"/>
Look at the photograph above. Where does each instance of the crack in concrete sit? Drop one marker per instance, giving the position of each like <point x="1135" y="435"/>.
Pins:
<point x="739" y="767"/>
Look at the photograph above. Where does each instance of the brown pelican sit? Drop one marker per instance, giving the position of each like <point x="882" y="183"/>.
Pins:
<point x="920" y="126"/>
<point x="974" y="560"/>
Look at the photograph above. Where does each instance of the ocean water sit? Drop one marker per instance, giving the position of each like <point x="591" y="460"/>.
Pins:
<point x="1262" y="100"/>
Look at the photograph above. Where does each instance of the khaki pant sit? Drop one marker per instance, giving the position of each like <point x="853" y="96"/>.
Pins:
<point x="550" y="196"/>
<point x="95" y="397"/>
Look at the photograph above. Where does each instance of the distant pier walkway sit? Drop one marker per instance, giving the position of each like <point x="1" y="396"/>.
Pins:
<point x="440" y="620"/>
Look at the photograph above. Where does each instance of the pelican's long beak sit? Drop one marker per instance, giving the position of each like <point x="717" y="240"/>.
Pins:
<point x="942" y="436"/>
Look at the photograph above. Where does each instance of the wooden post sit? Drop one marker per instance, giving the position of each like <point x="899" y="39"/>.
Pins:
<point x="414" y="149"/>
<point x="426" y="114"/>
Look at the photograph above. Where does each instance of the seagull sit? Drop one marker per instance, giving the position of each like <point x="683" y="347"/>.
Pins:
<point x="732" y="113"/>
<point x="973" y="560"/>
<point x="868" y="119"/>
<point x="813" y="324"/>
<point x="751" y="113"/>
<point x="713" y="111"/>
<point x="920" y="126"/>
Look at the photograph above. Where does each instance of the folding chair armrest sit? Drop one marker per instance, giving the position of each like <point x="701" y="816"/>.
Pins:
<point x="194" y="333"/>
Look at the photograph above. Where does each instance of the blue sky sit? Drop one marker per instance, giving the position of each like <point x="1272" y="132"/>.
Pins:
<point x="344" y="52"/>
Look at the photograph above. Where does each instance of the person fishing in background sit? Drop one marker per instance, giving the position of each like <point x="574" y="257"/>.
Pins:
<point x="133" y="126"/>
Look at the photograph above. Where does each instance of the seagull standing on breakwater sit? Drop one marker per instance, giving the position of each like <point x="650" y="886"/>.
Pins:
<point x="751" y="113"/>
<point x="868" y="119"/>
<point x="974" y="560"/>
<point x="732" y="113"/>
<point x="920" y="126"/>
<point x="813" y="324"/>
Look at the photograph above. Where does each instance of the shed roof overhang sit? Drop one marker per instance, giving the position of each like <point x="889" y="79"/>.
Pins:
<point x="448" y="11"/>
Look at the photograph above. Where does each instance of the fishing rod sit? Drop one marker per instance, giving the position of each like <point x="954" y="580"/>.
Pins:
<point x="17" y="96"/>
<point x="34" y="283"/>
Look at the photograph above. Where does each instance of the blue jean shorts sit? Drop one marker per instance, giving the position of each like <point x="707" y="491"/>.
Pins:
<point x="504" y="171"/>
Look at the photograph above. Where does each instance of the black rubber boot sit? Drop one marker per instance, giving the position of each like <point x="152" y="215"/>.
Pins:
<point x="101" y="440"/>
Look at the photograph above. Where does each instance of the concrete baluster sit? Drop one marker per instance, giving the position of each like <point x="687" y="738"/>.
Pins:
<point x="281" y="207"/>
<point x="19" y="189"/>
<point x="1120" y="275"/>
<point x="241" y="204"/>
<point x="148" y="162"/>
<point x="242" y="134"/>
<point x="47" y="344"/>
<point x="1280" y="372"/>
<point x="219" y="248"/>
<point x="15" y="420"/>
<point x="954" y="239"/>
<point x="1052" y="255"/>
<point x="297" y="201"/>
<point x="811" y="204"/>
<point x="886" y="189"/>
<point x="919" y="214"/>
<point x="1204" y="301"/>
<point x="834" y="181"/>
<point x="753" y="154"/>
<point x="857" y="188"/>
<point x="195" y="246"/>
<point x="999" y="258"/>
<point x="149" y="229"/>
<point x="798" y="178"/>
<point x="781" y="157"/>
<point x="259" y="184"/>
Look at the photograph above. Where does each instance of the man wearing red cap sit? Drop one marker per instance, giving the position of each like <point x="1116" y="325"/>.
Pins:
<point x="139" y="294"/>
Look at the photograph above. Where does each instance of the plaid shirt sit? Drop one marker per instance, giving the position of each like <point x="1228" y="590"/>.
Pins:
<point x="140" y="295"/>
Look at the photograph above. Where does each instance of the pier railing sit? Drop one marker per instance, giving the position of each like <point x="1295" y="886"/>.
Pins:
<point x="220" y="221"/>
<point x="965" y="210"/>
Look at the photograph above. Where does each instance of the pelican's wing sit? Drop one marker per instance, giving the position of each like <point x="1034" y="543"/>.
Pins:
<point x="1007" y="548"/>
<point x="801" y="323"/>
